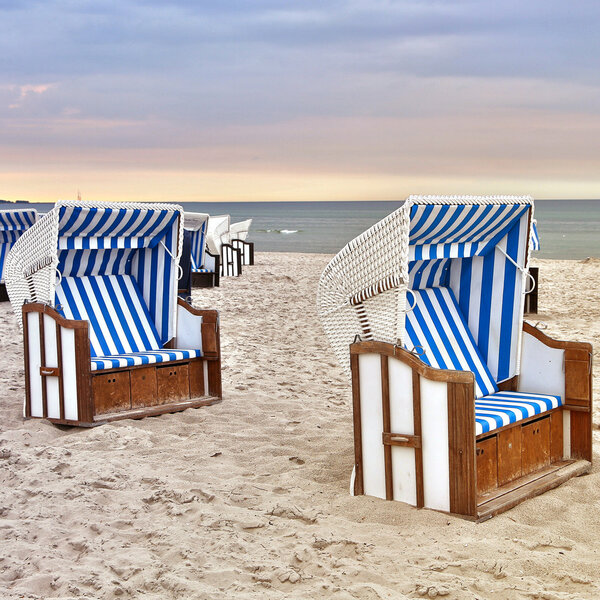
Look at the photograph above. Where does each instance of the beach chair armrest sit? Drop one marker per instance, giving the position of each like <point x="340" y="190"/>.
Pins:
<point x="198" y="329"/>
<point x="558" y="367"/>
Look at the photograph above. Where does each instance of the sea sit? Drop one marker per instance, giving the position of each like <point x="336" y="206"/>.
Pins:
<point x="567" y="228"/>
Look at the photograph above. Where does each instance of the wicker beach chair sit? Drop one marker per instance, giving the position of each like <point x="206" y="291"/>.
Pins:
<point x="95" y="288"/>
<point x="13" y="223"/>
<point x="459" y="405"/>
<point x="218" y="240"/>
<point x="239" y="234"/>
<point x="205" y="266"/>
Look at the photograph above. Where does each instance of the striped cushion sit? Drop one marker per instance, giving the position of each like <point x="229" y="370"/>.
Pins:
<point x="113" y="305"/>
<point x="202" y="271"/>
<point x="141" y="358"/>
<point x="502" y="408"/>
<point x="437" y="325"/>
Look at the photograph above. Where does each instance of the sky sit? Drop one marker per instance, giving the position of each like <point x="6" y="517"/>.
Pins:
<point x="257" y="100"/>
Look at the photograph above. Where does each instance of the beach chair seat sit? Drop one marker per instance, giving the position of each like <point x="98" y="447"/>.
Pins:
<point x="459" y="405"/>
<point x="150" y="357"/>
<point x="106" y="336"/>
<point x="505" y="408"/>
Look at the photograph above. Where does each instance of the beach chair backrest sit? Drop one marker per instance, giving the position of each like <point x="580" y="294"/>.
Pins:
<point x="217" y="233"/>
<point x="436" y="329"/>
<point x="13" y="223"/>
<point x="196" y="224"/>
<point x="119" y="321"/>
<point x="240" y="230"/>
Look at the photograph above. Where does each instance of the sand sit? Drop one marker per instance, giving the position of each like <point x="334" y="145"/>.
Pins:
<point x="249" y="498"/>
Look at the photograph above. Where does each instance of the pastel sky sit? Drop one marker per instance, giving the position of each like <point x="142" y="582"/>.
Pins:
<point x="311" y="100"/>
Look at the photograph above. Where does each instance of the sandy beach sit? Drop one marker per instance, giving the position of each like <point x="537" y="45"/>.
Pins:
<point x="249" y="498"/>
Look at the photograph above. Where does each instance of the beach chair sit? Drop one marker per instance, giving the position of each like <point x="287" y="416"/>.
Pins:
<point x="531" y="297"/>
<point x="459" y="405"/>
<point x="218" y="240"/>
<point x="205" y="265"/>
<point x="238" y="233"/>
<point x="12" y="225"/>
<point x="94" y="286"/>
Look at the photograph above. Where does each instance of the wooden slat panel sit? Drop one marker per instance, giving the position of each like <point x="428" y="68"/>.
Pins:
<point x="461" y="447"/>
<point x="26" y="357"/>
<point x="509" y="455"/>
<point x="43" y="362"/>
<point x="416" y="390"/>
<point x="387" y="449"/>
<point x="196" y="368"/>
<point x="61" y="385"/>
<point x="581" y="435"/>
<point x="173" y="384"/>
<point x="487" y="465"/>
<point x="111" y="392"/>
<point x="143" y="387"/>
<point x="535" y="445"/>
<point x="577" y="377"/>
<point x="358" y="473"/>
<point x="556" y="436"/>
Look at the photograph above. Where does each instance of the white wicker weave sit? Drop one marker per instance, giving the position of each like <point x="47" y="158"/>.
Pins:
<point x="362" y="291"/>
<point x="31" y="265"/>
<point x="217" y="233"/>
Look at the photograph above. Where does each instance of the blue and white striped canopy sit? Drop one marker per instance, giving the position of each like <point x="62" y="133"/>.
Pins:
<point x="535" y="236"/>
<point x="479" y="251"/>
<point x="197" y="224"/>
<point x="141" y="241"/>
<point x="13" y="223"/>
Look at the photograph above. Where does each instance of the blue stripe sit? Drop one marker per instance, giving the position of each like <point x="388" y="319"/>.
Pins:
<point x="508" y="303"/>
<point x="485" y="307"/>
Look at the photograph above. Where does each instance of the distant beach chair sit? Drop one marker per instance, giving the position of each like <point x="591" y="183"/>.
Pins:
<point x="218" y="239"/>
<point x="239" y="234"/>
<point x="95" y="287"/>
<point x="459" y="405"/>
<point x="205" y="265"/>
<point x="531" y="297"/>
<point x="13" y="223"/>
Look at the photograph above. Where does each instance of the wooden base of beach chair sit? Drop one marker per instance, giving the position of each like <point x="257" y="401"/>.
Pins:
<point x="531" y="298"/>
<point x="415" y="437"/>
<point x="62" y="388"/>
<point x="205" y="280"/>
<point x="3" y="294"/>
<point x="246" y="250"/>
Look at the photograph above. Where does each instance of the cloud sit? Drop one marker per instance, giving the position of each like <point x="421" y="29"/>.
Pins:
<point x="375" y="86"/>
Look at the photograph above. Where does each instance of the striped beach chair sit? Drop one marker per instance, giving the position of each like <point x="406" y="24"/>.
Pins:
<point x="13" y="223"/>
<point x="532" y="294"/>
<point x="459" y="405"/>
<point x="218" y="240"/>
<point x="239" y="234"/>
<point x="205" y="266"/>
<point x="106" y="337"/>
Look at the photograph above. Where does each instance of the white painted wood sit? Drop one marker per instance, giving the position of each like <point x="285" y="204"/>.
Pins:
<point x="371" y="413"/>
<point x="566" y="434"/>
<point x="69" y="373"/>
<point x="542" y="368"/>
<point x="51" y="360"/>
<point x="434" y="429"/>
<point x="35" y="379"/>
<point x="404" y="474"/>
<point x="189" y="330"/>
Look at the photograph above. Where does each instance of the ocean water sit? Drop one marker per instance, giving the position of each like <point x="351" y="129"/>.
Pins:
<point x="567" y="228"/>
